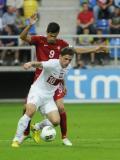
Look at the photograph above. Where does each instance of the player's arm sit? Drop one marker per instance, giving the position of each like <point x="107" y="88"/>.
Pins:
<point x="24" y="34"/>
<point x="90" y="50"/>
<point x="33" y="64"/>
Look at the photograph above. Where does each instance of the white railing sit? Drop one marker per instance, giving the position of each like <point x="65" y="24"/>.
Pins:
<point x="19" y="47"/>
<point x="93" y="35"/>
<point x="69" y="8"/>
<point x="69" y="38"/>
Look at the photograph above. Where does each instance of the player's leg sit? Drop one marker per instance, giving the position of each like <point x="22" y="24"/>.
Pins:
<point x="33" y="102"/>
<point x="23" y="123"/>
<point x="58" y="97"/>
<point x="27" y="130"/>
<point x="54" y="117"/>
<point x="63" y="122"/>
<point x="50" y="110"/>
<point x="63" y="117"/>
<point x="40" y="125"/>
<point x="37" y="127"/>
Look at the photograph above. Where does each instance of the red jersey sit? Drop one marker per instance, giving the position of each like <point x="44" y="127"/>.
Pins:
<point x="85" y="17"/>
<point x="46" y="51"/>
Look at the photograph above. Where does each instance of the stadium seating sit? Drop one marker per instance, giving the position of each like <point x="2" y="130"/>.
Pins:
<point x="103" y="24"/>
<point x="115" y="51"/>
<point x="92" y="3"/>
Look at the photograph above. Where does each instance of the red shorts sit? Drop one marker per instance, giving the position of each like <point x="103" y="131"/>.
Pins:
<point x="59" y="93"/>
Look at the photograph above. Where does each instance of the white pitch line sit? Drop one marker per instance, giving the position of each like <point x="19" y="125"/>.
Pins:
<point x="82" y="140"/>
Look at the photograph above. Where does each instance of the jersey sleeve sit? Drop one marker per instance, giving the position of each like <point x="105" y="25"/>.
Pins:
<point x="49" y="64"/>
<point x="64" y="44"/>
<point x="35" y="40"/>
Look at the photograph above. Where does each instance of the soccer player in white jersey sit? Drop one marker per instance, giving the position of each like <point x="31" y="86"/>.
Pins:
<point x="41" y="93"/>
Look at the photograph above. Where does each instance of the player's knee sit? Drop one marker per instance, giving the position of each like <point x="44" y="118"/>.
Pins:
<point x="60" y="105"/>
<point x="30" y="110"/>
<point x="56" y="121"/>
<point x="61" y="108"/>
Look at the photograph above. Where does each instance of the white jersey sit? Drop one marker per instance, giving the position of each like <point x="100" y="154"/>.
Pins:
<point x="48" y="81"/>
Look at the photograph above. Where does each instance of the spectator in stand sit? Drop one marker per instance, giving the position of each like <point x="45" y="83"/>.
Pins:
<point x="114" y="22"/>
<point x="9" y="16"/>
<point x="15" y="3"/>
<point x="9" y="42"/>
<point x="103" y="9"/>
<point x="1" y="25"/>
<point x="85" y="19"/>
<point x="80" y="65"/>
<point x="85" y="41"/>
<point x="20" y="20"/>
<point x="2" y="7"/>
<point x="1" y="53"/>
<point x="100" y="56"/>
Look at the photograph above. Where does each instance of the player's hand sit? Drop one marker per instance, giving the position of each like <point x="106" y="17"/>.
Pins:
<point x="33" y="19"/>
<point x="27" y="65"/>
<point x="101" y="49"/>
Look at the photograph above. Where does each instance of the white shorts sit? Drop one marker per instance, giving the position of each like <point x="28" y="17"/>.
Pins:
<point x="43" y="104"/>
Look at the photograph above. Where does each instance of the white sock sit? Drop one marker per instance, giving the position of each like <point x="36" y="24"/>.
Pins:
<point x="42" y="124"/>
<point x="22" y="125"/>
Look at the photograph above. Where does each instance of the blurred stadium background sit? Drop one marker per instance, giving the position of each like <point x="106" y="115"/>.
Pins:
<point x="94" y="78"/>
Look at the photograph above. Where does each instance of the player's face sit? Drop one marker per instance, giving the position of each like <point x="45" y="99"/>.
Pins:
<point x="65" y="60"/>
<point x="51" y="37"/>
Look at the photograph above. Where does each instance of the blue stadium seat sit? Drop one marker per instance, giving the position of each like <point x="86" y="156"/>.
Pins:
<point x="32" y="30"/>
<point x="92" y="3"/>
<point x="113" y="51"/>
<point x="117" y="3"/>
<point x="103" y="24"/>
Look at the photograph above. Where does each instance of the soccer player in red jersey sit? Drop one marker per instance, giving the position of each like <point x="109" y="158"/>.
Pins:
<point x="49" y="47"/>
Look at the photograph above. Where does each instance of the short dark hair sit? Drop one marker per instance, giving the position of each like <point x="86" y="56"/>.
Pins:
<point x="68" y="51"/>
<point x="84" y="3"/>
<point x="53" y="27"/>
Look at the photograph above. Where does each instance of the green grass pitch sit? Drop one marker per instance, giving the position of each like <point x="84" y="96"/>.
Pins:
<point x="94" y="130"/>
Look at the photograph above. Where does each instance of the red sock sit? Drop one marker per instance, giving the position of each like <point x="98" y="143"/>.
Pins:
<point x="63" y="124"/>
<point x="27" y="131"/>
